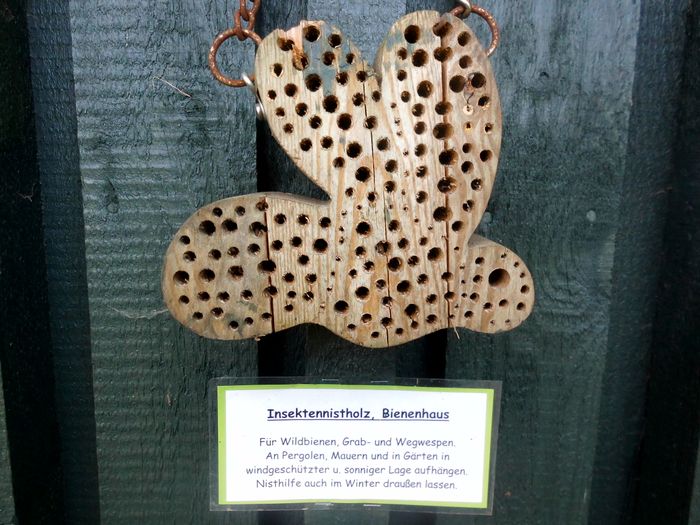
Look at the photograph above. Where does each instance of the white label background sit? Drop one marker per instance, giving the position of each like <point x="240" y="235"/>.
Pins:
<point x="246" y="422"/>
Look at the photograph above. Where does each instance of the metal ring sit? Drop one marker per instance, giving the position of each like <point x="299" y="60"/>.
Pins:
<point x="460" y="11"/>
<point x="220" y="39"/>
<point x="259" y="109"/>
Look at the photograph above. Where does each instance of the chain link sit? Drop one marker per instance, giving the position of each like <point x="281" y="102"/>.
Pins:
<point x="240" y="31"/>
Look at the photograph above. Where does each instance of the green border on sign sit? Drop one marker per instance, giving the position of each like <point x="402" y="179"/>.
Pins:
<point x="221" y="420"/>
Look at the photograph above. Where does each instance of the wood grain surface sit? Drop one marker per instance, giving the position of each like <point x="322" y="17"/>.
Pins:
<point x="150" y="154"/>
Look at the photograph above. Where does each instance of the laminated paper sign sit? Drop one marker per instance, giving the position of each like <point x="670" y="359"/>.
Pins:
<point x="314" y="445"/>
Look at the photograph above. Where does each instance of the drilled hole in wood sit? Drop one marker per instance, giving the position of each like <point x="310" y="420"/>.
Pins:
<point x="280" y="218"/>
<point x="235" y="272"/>
<point x="189" y="256"/>
<point x="394" y="226"/>
<point x="184" y="239"/>
<point x="338" y="162"/>
<point x="431" y="319"/>
<point x="525" y="289"/>
<point x="484" y="102"/>
<point x="417" y="110"/>
<point x="288" y="278"/>
<point x="280" y="112"/>
<point x="401" y="74"/>
<point x="342" y="78"/>
<point x="485" y="155"/>
<point x="184" y="299"/>
<point x="370" y="122"/>
<point x="198" y="316"/>
<point x="361" y="76"/>
<point x="296" y="241"/>
<point x="442" y="54"/>
<point x="324" y="222"/>
<point x="395" y="264"/>
<point x="405" y="96"/>
<point x="443" y="131"/>
<point x="277" y="245"/>
<point x="330" y="103"/>
<point x="350" y="58"/>
<point x="272" y="94"/>
<point x="419" y="58"/>
<point x="267" y="266"/>
<point x="358" y="99"/>
<point x="344" y="121"/>
<point x="420" y="150"/>
<point x="303" y="219"/>
<point x="315" y="122"/>
<point x="203" y="296"/>
<point x="301" y="109"/>
<point x="477" y="80"/>
<point x="382" y="247"/>
<point x="258" y="229"/>
<point x="468" y="314"/>
<point x="371" y="196"/>
<point x="463" y="38"/>
<point x="320" y="245"/>
<point x="402" y="53"/>
<point x="389" y="186"/>
<point x="403" y="287"/>
<point x="233" y="251"/>
<point x="457" y="83"/>
<point x="412" y="34"/>
<point x="521" y="306"/>
<point x="386" y="323"/>
<point x="477" y="279"/>
<point x="363" y="228"/>
<point x="447" y="185"/>
<point x="335" y="40"/>
<point x="253" y="249"/>
<point x="362" y="293"/>
<point x="240" y="211"/>
<point x="363" y="174"/>
<point x="248" y="320"/>
<point x="354" y="150"/>
<point x="181" y="277"/>
<point x="442" y="214"/>
<point x="421" y="197"/>
<point x="311" y="33"/>
<point x="447" y="276"/>
<point x="360" y="251"/>
<point x="246" y="295"/>
<point x="368" y="266"/>
<point x="465" y="62"/>
<point x="425" y="88"/>
<point x="421" y="171"/>
<point x="288" y="128"/>
<point x="420" y="128"/>
<point x="290" y="90"/>
<point x="413" y="260"/>
<point x="434" y="254"/>
<point x="305" y="144"/>
<point x="366" y="318"/>
<point x="457" y="226"/>
<point x="207" y="227"/>
<point x="285" y="44"/>
<point x="313" y="82"/>
<point x="447" y="157"/>
<point x="443" y="108"/>
<point x="328" y="58"/>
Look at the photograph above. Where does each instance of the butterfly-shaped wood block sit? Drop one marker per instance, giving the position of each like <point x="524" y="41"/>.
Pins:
<point x="407" y="152"/>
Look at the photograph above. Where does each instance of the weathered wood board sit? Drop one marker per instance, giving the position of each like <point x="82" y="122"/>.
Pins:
<point x="158" y="139"/>
<point x="7" y="504"/>
<point x="64" y="239"/>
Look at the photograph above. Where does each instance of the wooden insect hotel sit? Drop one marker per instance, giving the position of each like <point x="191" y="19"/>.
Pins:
<point x="407" y="152"/>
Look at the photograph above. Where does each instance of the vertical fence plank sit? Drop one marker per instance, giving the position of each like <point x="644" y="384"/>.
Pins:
<point x="668" y="486"/>
<point x="25" y="342"/>
<point x="566" y="74"/>
<point x="64" y="238"/>
<point x="7" y="503"/>
<point x="158" y="138"/>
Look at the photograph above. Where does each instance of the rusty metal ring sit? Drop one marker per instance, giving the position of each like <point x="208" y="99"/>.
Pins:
<point x="220" y="39"/>
<point x="490" y="20"/>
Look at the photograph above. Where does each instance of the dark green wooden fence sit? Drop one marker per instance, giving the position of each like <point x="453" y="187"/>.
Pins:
<point x="597" y="190"/>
